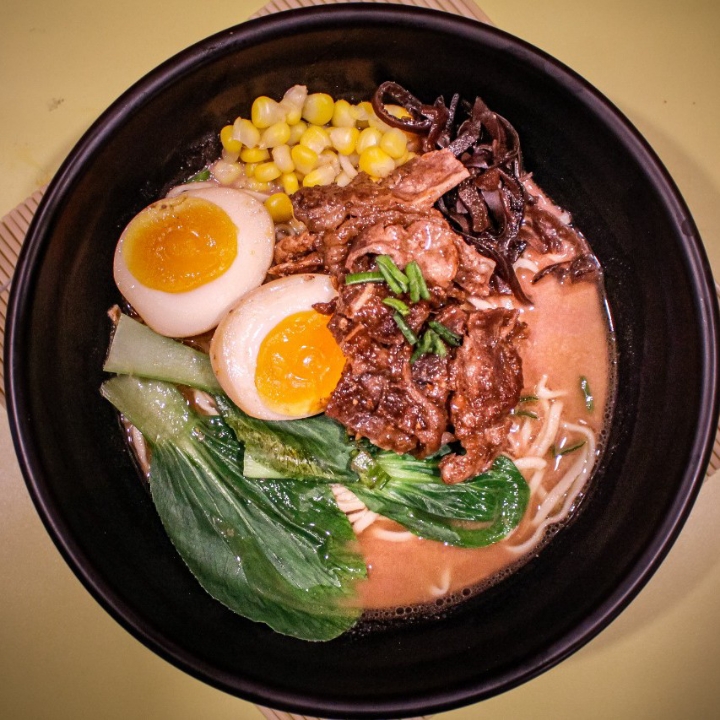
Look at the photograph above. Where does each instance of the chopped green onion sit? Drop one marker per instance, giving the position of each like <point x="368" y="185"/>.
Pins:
<point x="587" y="394"/>
<point x="405" y="329"/>
<point x="201" y="176"/>
<point x="430" y="342"/>
<point x="446" y="333"/>
<point x="413" y="288"/>
<point x="528" y="398"/>
<point x="559" y="452"/>
<point x="362" y="277"/>
<point x="398" y="305"/>
<point x="526" y="413"/>
<point x="438" y="345"/>
<point x="423" y="348"/>
<point x="395" y="278"/>
<point x="418" y="287"/>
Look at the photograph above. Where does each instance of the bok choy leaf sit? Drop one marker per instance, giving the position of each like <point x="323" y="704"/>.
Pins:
<point x="275" y="551"/>
<point x="313" y="448"/>
<point x="138" y="350"/>
<point x="473" y="513"/>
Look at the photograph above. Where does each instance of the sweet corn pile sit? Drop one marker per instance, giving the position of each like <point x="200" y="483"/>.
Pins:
<point x="305" y="140"/>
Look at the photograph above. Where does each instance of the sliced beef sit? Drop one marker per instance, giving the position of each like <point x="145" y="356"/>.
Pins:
<point x="425" y="179"/>
<point x="474" y="270"/>
<point x="428" y="240"/>
<point x="486" y="374"/>
<point x="393" y="217"/>
<point x="378" y="399"/>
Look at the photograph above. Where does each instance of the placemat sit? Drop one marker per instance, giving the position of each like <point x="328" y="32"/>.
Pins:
<point x="14" y="225"/>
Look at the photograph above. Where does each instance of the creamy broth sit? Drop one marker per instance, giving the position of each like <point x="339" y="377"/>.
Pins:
<point x="568" y="337"/>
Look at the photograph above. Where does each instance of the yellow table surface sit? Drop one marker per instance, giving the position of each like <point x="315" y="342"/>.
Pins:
<point x="61" y="64"/>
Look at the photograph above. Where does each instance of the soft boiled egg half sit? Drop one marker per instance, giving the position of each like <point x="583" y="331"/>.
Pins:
<point x="184" y="261"/>
<point x="273" y="353"/>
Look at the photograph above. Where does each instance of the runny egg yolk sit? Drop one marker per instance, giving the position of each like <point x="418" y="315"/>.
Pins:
<point x="298" y="364"/>
<point x="180" y="244"/>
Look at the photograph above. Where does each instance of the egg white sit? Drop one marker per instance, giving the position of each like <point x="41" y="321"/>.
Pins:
<point x="196" y="311"/>
<point x="237" y="339"/>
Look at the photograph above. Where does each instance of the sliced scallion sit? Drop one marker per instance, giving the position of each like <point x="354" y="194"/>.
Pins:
<point x="395" y="278"/>
<point x="430" y="342"/>
<point x="418" y="286"/>
<point x="405" y="329"/>
<point x="438" y="345"/>
<point x="446" y="333"/>
<point x="559" y="452"/>
<point x="201" y="176"/>
<point x="363" y="277"/>
<point x="587" y="394"/>
<point x="397" y="305"/>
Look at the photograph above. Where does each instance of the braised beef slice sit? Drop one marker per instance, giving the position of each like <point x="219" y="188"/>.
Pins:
<point x="425" y="179"/>
<point x="486" y="374"/>
<point x="377" y="398"/>
<point x="393" y="217"/>
<point x="474" y="270"/>
<point x="428" y="240"/>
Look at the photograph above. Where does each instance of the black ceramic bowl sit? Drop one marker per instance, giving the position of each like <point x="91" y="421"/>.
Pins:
<point x="586" y="156"/>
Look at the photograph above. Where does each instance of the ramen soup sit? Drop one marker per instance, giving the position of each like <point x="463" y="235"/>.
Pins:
<point x="408" y="338"/>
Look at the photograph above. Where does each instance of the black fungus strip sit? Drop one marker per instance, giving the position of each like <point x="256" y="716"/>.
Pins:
<point x="489" y="207"/>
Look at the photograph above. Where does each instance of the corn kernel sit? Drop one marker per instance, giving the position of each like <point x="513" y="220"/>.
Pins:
<point x="226" y="173"/>
<point x="254" y="155"/>
<point x="228" y="141"/>
<point x="347" y="166"/>
<point x="316" y="138"/>
<point x="322" y="175"/>
<point x="280" y="207"/>
<point x="305" y="158"/>
<point x="397" y="111"/>
<point x="266" y="112"/>
<point x="230" y="157"/>
<point x="246" y="133"/>
<point x="250" y="168"/>
<point x="267" y="172"/>
<point x="375" y="122"/>
<point x="376" y="162"/>
<point x="276" y="134"/>
<point x="342" y="114"/>
<point x="282" y="158"/>
<point x="362" y="112"/>
<point x="257" y="186"/>
<point x="343" y="179"/>
<point x="394" y="143"/>
<point x="289" y="182"/>
<point x="296" y="132"/>
<point x="318" y="108"/>
<point x="344" y="139"/>
<point x="369" y="137"/>
<point x="407" y="156"/>
<point x="292" y="102"/>
<point x="329" y="157"/>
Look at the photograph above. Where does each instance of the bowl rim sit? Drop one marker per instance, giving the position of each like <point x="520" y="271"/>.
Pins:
<point x="250" y="32"/>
